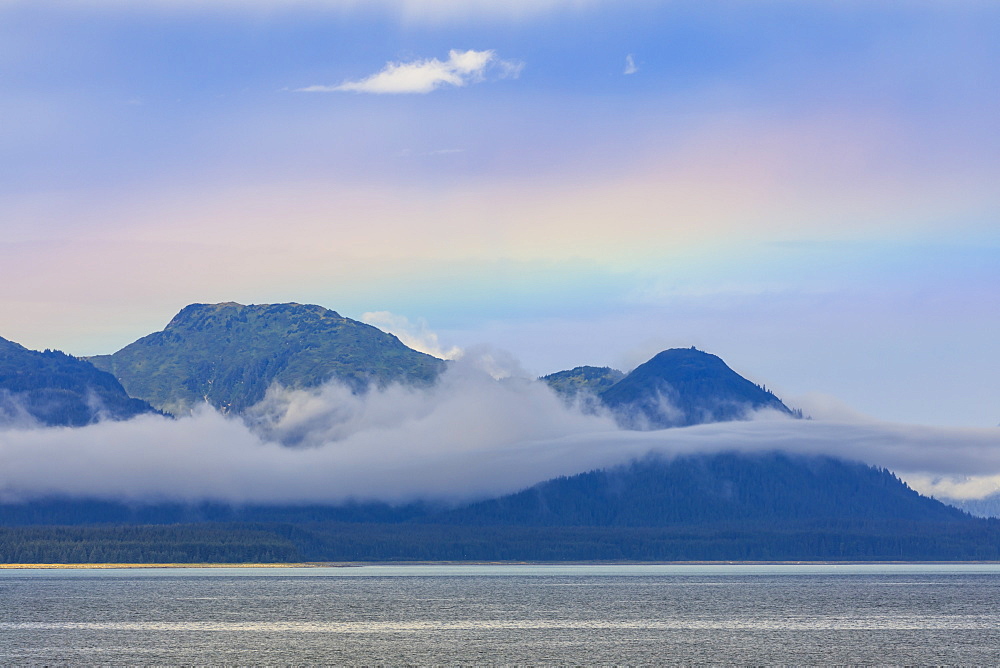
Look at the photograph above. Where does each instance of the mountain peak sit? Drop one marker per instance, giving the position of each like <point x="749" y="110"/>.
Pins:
<point x="686" y="386"/>
<point x="682" y="363"/>
<point x="194" y="315"/>
<point x="228" y="354"/>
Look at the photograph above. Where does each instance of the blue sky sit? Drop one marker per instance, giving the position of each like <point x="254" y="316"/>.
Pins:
<point x="807" y="189"/>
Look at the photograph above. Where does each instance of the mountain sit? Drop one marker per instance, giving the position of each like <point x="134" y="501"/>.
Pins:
<point x="772" y="489"/>
<point x="685" y="386"/>
<point x="583" y="379"/>
<point x="767" y="506"/>
<point x="56" y="389"/>
<point x="676" y="388"/>
<point x="229" y="354"/>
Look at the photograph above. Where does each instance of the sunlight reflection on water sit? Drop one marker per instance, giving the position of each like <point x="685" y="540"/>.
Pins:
<point x="912" y="613"/>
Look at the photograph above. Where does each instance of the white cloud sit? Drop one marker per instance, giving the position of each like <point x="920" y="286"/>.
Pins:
<point x="820" y="406"/>
<point x="13" y="413"/>
<point x="423" y="76"/>
<point x="468" y="436"/>
<point x="630" y="66"/>
<point x="960" y="488"/>
<point x="416" y="335"/>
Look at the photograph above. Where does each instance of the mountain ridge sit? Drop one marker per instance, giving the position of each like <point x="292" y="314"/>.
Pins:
<point x="229" y="354"/>
<point x="677" y="387"/>
<point x="769" y="487"/>
<point x="59" y="390"/>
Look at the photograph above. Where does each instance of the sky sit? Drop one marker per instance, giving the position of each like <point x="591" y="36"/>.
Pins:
<point x="806" y="188"/>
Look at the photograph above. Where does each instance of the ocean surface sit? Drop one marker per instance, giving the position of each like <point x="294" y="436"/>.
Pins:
<point x="540" y="615"/>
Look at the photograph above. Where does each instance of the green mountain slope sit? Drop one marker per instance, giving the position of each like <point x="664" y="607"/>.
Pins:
<point x="583" y="379"/>
<point x="229" y="354"/>
<point x="57" y="389"/>
<point x="685" y="386"/>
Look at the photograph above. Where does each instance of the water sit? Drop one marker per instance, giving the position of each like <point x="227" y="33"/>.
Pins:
<point x="418" y="615"/>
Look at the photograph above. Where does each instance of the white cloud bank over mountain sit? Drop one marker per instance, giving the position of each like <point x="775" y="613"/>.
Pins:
<point x="468" y="436"/>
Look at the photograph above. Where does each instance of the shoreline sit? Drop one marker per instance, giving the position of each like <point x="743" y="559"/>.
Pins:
<point x="357" y="564"/>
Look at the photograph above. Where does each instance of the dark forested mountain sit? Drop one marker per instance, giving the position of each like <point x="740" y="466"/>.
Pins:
<point x="685" y="386"/>
<point x="676" y="388"/>
<point x="229" y="354"/>
<point x="728" y="488"/>
<point x="772" y="488"/>
<point x="56" y="389"/>
<point x="708" y="507"/>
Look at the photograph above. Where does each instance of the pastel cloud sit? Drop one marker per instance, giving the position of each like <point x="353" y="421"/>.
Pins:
<point x="424" y="76"/>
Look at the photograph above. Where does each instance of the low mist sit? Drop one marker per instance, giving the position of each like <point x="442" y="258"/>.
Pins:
<point x="469" y="436"/>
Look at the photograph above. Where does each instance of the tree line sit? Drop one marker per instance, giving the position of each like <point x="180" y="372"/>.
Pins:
<point x="340" y="542"/>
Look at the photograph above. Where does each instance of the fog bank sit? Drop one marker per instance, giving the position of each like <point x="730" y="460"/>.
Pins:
<point x="467" y="437"/>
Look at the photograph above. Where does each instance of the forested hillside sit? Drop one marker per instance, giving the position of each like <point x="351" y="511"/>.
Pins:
<point x="720" y="507"/>
<point x="229" y="355"/>
<point x="55" y="389"/>
<point x="684" y="386"/>
<point x="770" y="488"/>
